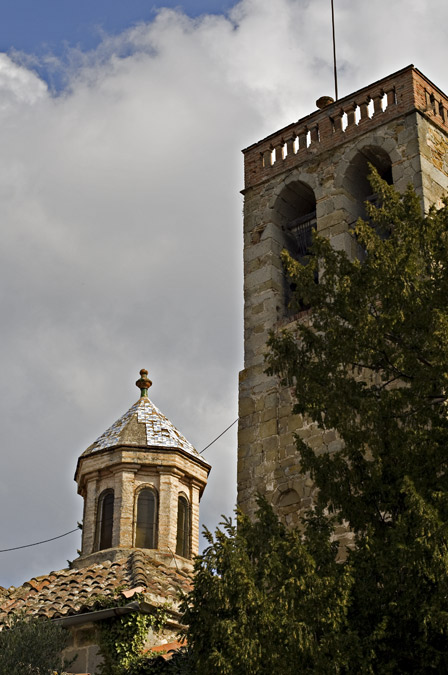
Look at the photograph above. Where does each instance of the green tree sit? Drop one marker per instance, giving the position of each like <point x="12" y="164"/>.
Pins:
<point x="372" y="363"/>
<point x="267" y="600"/>
<point x="31" y="646"/>
<point x="179" y="663"/>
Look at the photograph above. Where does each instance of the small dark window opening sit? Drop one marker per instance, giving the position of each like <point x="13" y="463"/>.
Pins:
<point x="374" y="199"/>
<point x="146" y="525"/>
<point x="295" y="214"/>
<point x="358" y="184"/>
<point x="301" y="230"/>
<point x="357" y="177"/>
<point x="385" y="174"/>
<point x="301" y="238"/>
<point x="183" y="527"/>
<point x="105" y="520"/>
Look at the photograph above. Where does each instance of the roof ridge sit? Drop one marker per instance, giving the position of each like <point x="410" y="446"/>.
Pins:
<point x="138" y="572"/>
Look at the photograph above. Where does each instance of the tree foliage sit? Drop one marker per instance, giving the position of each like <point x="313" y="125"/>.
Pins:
<point x="372" y="363"/>
<point x="266" y="600"/>
<point x="178" y="663"/>
<point x="31" y="646"/>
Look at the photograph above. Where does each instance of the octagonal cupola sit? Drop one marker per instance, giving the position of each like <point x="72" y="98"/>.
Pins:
<point x="141" y="482"/>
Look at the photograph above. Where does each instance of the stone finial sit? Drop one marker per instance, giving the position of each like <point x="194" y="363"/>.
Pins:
<point x="323" y="101"/>
<point x="143" y="383"/>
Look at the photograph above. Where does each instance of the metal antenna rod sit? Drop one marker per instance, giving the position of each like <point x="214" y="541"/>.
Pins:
<point x="334" y="54"/>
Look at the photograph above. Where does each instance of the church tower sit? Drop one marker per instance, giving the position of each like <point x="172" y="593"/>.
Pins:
<point x="310" y="175"/>
<point x="141" y="482"/>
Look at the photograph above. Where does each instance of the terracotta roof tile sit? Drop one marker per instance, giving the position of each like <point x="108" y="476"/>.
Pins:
<point x="70" y="591"/>
<point x="167" y="649"/>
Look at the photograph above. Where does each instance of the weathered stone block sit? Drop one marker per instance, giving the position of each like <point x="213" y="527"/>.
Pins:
<point x="406" y="143"/>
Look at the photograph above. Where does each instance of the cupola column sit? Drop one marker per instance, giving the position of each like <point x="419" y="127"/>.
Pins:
<point x="169" y="490"/>
<point x="88" y="525"/>
<point x="195" y="494"/>
<point x="122" y="535"/>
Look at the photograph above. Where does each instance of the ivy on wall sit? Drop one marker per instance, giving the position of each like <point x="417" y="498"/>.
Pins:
<point x="121" y="639"/>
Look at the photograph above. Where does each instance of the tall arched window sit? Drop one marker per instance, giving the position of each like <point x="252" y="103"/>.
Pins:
<point x="356" y="179"/>
<point x="146" y="523"/>
<point x="105" y="520"/>
<point x="295" y="213"/>
<point x="183" y="527"/>
<point x="358" y="185"/>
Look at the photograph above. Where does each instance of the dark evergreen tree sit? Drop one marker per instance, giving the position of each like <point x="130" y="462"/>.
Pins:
<point x="267" y="600"/>
<point x="373" y="364"/>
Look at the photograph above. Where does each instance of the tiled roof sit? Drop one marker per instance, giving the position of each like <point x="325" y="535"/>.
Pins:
<point x="168" y="648"/>
<point x="72" y="591"/>
<point x="159" y="431"/>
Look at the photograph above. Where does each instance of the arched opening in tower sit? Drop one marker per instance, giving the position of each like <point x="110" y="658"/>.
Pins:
<point x="295" y="210"/>
<point x="357" y="178"/>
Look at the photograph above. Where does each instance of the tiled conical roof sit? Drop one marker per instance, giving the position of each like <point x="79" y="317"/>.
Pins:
<point x="142" y="425"/>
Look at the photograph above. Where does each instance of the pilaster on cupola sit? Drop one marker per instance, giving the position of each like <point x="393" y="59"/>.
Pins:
<point x="141" y="482"/>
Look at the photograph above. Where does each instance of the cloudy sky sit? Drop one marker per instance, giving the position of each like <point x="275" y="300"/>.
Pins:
<point x="121" y="125"/>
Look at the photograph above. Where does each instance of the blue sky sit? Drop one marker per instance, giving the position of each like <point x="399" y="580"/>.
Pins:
<point x="42" y="26"/>
<point x="121" y="129"/>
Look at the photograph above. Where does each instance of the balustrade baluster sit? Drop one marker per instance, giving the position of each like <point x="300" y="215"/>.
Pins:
<point x="337" y="121"/>
<point x="351" y="117"/>
<point x="279" y="151"/>
<point x="267" y="158"/>
<point x="377" y="107"/>
<point x="390" y="97"/>
<point x="364" y="108"/>
<point x="290" y="146"/>
<point x="315" y="133"/>
<point x="302" y="139"/>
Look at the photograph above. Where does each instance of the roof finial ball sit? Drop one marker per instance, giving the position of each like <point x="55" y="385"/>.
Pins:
<point x="143" y="383"/>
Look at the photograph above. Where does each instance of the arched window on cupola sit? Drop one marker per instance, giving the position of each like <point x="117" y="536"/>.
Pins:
<point x="183" y="527"/>
<point x="146" y="521"/>
<point x="105" y="520"/>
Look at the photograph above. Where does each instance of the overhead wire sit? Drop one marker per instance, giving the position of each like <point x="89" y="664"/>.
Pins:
<point x="217" y="437"/>
<point x="44" y="541"/>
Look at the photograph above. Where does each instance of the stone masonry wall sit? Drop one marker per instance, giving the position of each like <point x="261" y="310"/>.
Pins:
<point x="413" y="139"/>
<point x="126" y="471"/>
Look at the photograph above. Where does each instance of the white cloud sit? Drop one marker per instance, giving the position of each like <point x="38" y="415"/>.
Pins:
<point x="18" y="85"/>
<point x="121" y="230"/>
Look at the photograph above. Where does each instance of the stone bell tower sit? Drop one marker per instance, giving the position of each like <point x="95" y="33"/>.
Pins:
<point x="141" y="482"/>
<point x="310" y="175"/>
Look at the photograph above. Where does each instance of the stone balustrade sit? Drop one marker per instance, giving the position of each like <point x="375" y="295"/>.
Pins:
<point x="396" y="95"/>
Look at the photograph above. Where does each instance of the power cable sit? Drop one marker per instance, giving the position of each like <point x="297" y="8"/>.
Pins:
<point x="217" y="437"/>
<point x="44" y="541"/>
